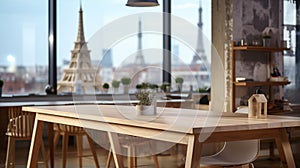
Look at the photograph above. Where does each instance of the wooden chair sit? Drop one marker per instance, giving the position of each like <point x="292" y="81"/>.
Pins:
<point x="131" y="143"/>
<point x="20" y="128"/>
<point x="78" y="132"/>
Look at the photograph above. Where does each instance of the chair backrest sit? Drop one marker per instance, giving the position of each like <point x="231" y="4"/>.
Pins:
<point x="240" y="152"/>
<point x="20" y="123"/>
<point x="68" y="128"/>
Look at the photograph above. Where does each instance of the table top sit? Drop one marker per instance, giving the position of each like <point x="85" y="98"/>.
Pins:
<point x="172" y="119"/>
<point x="107" y="102"/>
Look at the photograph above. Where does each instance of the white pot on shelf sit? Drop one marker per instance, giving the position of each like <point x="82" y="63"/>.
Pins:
<point x="149" y="110"/>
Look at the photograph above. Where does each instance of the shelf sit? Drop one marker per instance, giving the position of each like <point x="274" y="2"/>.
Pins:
<point x="268" y="83"/>
<point x="259" y="48"/>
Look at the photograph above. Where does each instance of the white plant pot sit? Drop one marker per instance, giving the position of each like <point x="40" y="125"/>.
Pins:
<point x="126" y="89"/>
<point x="145" y="110"/>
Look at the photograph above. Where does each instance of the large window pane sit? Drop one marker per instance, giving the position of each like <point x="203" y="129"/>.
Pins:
<point x="191" y="60"/>
<point x="121" y="59"/>
<point x="24" y="46"/>
<point x="290" y="68"/>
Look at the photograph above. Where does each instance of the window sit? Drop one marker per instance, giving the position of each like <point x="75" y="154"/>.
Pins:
<point x="24" y="46"/>
<point x="191" y="60"/>
<point x="135" y="55"/>
<point x="290" y="68"/>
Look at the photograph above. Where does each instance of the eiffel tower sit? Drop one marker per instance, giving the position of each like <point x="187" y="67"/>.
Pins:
<point x="139" y="59"/>
<point x="80" y="76"/>
<point x="199" y="57"/>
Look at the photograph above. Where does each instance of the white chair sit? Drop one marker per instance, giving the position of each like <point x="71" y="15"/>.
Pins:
<point x="131" y="143"/>
<point x="234" y="153"/>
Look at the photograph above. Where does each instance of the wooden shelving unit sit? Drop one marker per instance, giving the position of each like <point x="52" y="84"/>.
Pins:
<point x="235" y="84"/>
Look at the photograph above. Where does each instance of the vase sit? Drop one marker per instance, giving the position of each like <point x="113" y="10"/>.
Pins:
<point x="116" y="90"/>
<point x="105" y="90"/>
<point x="179" y="86"/>
<point x="266" y="42"/>
<point x="126" y="89"/>
<point x="149" y="110"/>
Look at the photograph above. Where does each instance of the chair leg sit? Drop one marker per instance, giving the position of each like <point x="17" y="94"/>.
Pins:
<point x="56" y="139"/>
<point x="109" y="158"/>
<point x="44" y="154"/>
<point x="154" y="156"/>
<point x="132" y="159"/>
<point x="155" y="161"/>
<point x="65" y="149"/>
<point x="79" y="149"/>
<point x="91" y="143"/>
<point x="10" y="154"/>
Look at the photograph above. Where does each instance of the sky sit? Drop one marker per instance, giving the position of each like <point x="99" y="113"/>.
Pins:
<point x="24" y="32"/>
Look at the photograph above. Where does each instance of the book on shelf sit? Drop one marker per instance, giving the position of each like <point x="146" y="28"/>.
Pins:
<point x="243" y="79"/>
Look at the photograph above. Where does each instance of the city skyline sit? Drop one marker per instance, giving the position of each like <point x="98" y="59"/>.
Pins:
<point x="94" y="19"/>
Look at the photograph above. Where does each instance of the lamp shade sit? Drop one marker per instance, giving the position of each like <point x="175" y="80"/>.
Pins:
<point x="142" y="3"/>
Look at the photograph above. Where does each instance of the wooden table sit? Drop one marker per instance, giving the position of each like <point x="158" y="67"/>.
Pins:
<point x="183" y="126"/>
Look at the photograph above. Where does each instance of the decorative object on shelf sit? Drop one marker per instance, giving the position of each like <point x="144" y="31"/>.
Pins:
<point x="142" y="3"/>
<point x="243" y="42"/>
<point x="271" y="36"/>
<point x="115" y="84"/>
<point x="259" y="91"/>
<point x="146" y="105"/>
<point x="258" y="106"/>
<point x="125" y="82"/>
<point x="179" y="82"/>
<point x="242" y="81"/>
<point x="266" y="40"/>
<point x="105" y="87"/>
<point x="1" y="86"/>
<point x="260" y="72"/>
<point x="256" y="43"/>
<point x="275" y="72"/>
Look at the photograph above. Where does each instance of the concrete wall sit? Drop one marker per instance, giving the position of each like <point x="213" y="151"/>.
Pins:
<point x="244" y="19"/>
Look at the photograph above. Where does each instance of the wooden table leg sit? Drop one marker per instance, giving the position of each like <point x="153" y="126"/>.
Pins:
<point x="193" y="153"/>
<point x="284" y="149"/>
<point x="51" y="144"/>
<point x="35" y="143"/>
<point x="116" y="149"/>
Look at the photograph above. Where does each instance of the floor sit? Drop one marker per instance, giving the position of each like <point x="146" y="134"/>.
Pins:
<point x="165" y="161"/>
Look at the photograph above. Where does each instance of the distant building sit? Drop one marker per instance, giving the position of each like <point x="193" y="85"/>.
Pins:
<point x="175" y="55"/>
<point x="106" y="70"/>
<point x="106" y="61"/>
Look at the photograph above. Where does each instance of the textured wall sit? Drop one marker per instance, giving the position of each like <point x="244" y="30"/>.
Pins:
<point x="250" y="18"/>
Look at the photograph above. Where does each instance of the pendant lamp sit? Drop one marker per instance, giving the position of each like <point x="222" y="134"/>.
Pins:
<point x="142" y="3"/>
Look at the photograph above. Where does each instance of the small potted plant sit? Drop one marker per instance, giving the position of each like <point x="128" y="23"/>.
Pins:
<point x="105" y="87"/>
<point x="145" y="105"/>
<point x="141" y="86"/>
<point x="115" y="84"/>
<point x="1" y="86"/>
<point x="179" y="81"/>
<point x="125" y="82"/>
<point x="154" y="87"/>
<point x="165" y="87"/>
